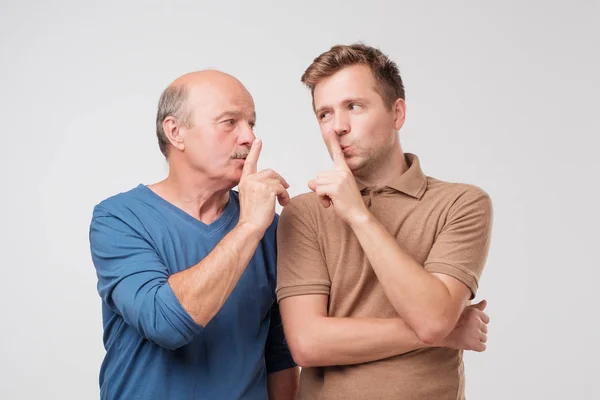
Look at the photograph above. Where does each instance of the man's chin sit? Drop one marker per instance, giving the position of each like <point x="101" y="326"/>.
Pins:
<point x="355" y="163"/>
<point x="235" y="177"/>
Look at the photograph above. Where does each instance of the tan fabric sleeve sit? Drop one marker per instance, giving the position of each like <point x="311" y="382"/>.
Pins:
<point x="461" y="248"/>
<point x="301" y="268"/>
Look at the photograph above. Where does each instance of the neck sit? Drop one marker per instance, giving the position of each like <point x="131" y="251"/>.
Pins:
<point x="196" y="194"/>
<point x="388" y="166"/>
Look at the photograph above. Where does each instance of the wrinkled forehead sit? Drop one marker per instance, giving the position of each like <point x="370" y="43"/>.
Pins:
<point x="212" y="100"/>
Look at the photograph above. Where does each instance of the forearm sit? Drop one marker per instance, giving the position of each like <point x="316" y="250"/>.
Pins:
<point x="283" y="385"/>
<point x="327" y="341"/>
<point x="418" y="297"/>
<point x="204" y="288"/>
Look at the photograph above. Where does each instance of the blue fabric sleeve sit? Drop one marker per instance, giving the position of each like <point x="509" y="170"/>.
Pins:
<point x="277" y="353"/>
<point x="132" y="281"/>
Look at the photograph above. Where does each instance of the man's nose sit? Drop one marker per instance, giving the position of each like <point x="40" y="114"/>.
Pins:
<point x="341" y="124"/>
<point x="247" y="135"/>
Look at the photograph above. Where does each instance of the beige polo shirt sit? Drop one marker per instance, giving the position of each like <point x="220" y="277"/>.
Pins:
<point x="444" y="226"/>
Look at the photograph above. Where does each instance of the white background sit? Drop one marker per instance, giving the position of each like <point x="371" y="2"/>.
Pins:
<point x="500" y="94"/>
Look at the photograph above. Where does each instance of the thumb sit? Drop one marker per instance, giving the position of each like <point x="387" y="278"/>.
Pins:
<point x="325" y="201"/>
<point x="481" y="305"/>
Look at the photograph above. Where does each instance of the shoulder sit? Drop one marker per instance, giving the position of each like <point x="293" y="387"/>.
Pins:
<point x="457" y="194"/>
<point x="119" y="203"/>
<point x="304" y="205"/>
<point x="128" y="211"/>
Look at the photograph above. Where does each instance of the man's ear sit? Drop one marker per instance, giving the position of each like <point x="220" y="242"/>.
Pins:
<point x="172" y="128"/>
<point x="399" y="110"/>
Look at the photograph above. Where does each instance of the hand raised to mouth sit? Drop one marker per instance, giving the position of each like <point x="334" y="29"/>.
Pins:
<point x="258" y="191"/>
<point x="338" y="187"/>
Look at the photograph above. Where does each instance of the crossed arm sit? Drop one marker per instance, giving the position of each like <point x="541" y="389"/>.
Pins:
<point x="431" y="305"/>
<point x="316" y="339"/>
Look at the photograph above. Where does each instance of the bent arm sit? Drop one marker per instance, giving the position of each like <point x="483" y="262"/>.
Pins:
<point x="431" y="298"/>
<point x="167" y="310"/>
<point x="203" y="289"/>
<point x="318" y="340"/>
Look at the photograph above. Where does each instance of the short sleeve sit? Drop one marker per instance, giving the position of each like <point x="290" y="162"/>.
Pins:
<point x="301" y="268"/>
<point x="461" y="248"/>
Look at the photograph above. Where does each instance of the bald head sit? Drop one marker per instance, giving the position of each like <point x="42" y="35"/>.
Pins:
<point x="191" y="91"/>
<point x="206" y="77"/>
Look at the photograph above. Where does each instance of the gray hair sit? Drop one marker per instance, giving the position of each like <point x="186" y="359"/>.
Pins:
<point x="172" y="103"/>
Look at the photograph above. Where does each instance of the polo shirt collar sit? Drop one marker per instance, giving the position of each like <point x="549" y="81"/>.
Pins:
<point x="412" y="182"/>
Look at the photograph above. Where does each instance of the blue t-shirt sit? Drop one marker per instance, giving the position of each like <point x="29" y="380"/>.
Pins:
<point x="154" y="349"/>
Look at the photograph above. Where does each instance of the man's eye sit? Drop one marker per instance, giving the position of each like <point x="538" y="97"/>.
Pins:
<point x="353" y="106"/>
<point x="252" y="125"/>
<point x="229" y="122"/>
<point x="323" y="115"/>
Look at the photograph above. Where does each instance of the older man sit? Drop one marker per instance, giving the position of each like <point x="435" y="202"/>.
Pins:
<point x="186" y="267"/>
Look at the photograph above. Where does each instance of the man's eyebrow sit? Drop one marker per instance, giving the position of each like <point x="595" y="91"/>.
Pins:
<point x="234" y="113"/>
<point x="228" y="113"/>
<point x="320" y="109"/>
<point x="355" y="100"/>
<point x="345" y="101"/>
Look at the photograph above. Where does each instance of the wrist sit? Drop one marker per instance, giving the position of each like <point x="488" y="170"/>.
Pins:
<point x="250" y="230"/>
<point x="360" y="218"/>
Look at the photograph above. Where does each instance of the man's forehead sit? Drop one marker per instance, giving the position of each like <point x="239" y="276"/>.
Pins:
<point x="332" y="98"/>
<point x="221" y="100"/>
<point x="351" y="82"/>
<point x="237" y="104"/>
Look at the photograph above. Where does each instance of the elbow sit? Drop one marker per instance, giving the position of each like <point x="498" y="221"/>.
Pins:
<point x="163" y="335"/>
<point x="433" y="325"/>
<point x="164" y="325"/>
<point x="434" y="331"/>
<point x="303" y="350"/>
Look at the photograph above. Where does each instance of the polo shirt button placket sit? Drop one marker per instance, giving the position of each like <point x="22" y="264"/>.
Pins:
<point x="372" y="194"/>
